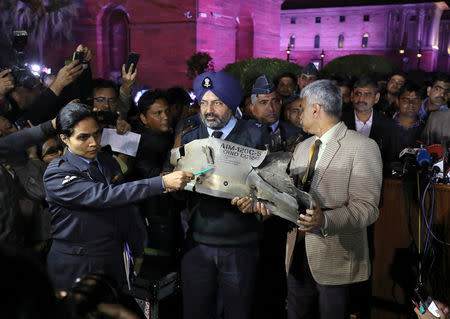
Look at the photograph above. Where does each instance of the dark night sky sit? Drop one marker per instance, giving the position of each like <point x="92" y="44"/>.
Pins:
<point x="305" y="4"/>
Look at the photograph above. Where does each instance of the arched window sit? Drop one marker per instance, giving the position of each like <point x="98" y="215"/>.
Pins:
<point x="113" y="40"/>
<point x="365" y="40"/>
<point x="341" y="41"/>
<point x="292" y="41"/>
<point x="317" y="41"/>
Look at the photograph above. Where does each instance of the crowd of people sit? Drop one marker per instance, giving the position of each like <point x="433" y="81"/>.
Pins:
<point x="78" y="207"/>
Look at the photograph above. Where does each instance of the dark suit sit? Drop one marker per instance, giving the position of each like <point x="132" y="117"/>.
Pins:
<point x="381" y="126"/>
<point x="93" y="217"/>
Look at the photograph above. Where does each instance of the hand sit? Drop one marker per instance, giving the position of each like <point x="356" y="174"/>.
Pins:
<point x="54" y="123"/>
<point x="315" y="220"/>
<point x="87" y="53"/>
<point x="122" y="126"/>
<point x="442" y="310"/>
<point x="177" y="180"/>
<point x="245" y="205"/>
<point x="128" y="79"/>
<point x="6" y="82"/>
<point x="66" y="75"/>
<point x="32" y="152"/>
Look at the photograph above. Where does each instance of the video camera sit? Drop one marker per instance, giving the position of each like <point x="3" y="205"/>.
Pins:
<point x="23" y="77"/>
<point x="87" y="293"/>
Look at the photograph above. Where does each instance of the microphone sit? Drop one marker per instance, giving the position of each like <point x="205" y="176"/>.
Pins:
<point x="437" y="149"/>
<point x="423" y="158"/>
<point x="408" y="157"/>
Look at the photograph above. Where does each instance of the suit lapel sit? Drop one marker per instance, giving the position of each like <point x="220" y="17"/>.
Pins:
<point x="330" y="151"/>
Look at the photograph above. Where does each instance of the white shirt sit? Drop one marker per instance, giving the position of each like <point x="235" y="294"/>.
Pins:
<point x="364" y="128"/>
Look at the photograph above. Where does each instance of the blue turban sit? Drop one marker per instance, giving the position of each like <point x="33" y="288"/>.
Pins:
<point x="222" y="84"/>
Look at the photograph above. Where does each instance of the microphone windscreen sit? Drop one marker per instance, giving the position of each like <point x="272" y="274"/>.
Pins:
<point x="437" y="149"/>
<point x="423" y="157"/>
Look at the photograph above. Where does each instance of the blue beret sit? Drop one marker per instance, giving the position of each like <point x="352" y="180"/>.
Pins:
<point x="263" y="85"/>
<point x="222" y="84"/>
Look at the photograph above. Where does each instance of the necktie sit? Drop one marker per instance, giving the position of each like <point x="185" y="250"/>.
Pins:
<point x="307" y="179"/>
<point x="95" y="172"/>
<point x="217" y="134"/>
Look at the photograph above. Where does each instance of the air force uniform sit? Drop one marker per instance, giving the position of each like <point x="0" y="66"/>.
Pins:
<point x="93" y="217"/>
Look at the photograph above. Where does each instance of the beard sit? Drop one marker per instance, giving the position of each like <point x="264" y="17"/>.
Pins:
<point x="218" y="121"/>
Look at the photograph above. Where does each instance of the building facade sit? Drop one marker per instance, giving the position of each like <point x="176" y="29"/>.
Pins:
<point x="166" y="33"/>
<point x="411" y="35"/>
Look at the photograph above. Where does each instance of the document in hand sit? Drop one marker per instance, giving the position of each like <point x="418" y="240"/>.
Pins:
<point x="126" y="144"/>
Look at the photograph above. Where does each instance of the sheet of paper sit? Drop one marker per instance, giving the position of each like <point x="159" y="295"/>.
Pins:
<point x="127" y="143"/>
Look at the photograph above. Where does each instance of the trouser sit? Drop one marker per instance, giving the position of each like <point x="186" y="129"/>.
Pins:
<point x="309" y="299"/>
<point x="206" y="270"/>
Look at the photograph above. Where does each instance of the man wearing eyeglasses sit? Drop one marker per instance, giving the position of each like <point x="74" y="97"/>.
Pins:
<point x="388" y="99"/>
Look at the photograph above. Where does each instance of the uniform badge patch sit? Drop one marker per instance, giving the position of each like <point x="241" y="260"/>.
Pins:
<point x="207" y="83"/>
<point x="68" y="179"/>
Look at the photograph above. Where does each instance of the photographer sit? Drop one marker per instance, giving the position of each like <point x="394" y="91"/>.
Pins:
<point x="26" y="100"/>
<point x="12" y="222"/>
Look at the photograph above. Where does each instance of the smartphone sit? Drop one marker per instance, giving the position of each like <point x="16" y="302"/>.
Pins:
<point x="133" y="58"/>
<point x="78" y="55"/>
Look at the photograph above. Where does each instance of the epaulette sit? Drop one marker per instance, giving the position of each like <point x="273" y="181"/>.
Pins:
<point x="189" y="129"/>
<point x="56" y="162"/>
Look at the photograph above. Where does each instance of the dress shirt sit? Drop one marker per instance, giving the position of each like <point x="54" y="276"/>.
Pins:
<point x="325" y="138"/>
<point x="364" y="128"/>
<point x="226" y="129"/>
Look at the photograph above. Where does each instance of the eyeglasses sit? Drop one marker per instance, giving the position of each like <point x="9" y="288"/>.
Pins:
<point x="101" y="99"/>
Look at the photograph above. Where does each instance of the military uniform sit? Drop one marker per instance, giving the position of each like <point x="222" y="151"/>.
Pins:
<point x="222" y="243"/>
<point x="93" y="216"/>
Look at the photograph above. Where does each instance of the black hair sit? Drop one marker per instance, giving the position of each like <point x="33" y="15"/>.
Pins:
<point x="363" y="82"/>
<point x="69" y="116"/>
<point x="276" y="81"/>
<point x="100" y="83"/>
<point x="412" y="87"/>
<point x="148" y="98"/>
<point x="178" y="96"/>
<point x="440" y="77"/>
<point x="402" y="74"/>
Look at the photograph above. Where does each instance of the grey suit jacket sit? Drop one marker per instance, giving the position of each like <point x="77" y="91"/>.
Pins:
<point x="347" y="181"/>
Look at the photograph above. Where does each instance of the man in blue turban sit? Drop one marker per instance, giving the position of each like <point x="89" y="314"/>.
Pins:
<point x="222" y="249"/>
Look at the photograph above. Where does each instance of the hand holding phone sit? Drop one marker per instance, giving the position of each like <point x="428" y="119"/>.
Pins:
<point x="133" y="58"/>
<point x="78" y="55"/>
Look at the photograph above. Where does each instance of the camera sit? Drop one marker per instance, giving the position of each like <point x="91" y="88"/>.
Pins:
<point x="87" y="293"/>
<point x="22" y="75"/>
